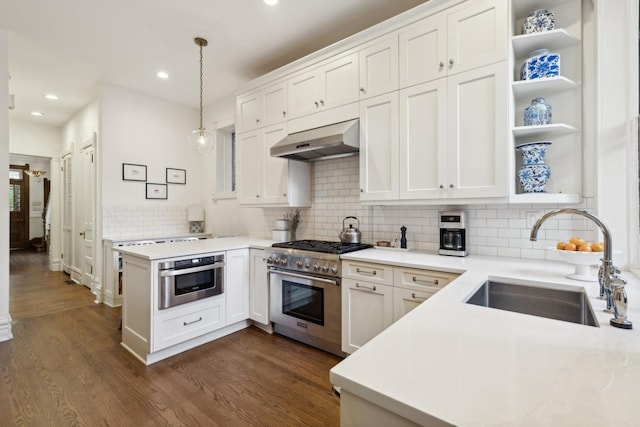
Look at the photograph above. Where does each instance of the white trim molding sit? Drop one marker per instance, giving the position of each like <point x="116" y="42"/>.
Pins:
<point x="5" y="329"/>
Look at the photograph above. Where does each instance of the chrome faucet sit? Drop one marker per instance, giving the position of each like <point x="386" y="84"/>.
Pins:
<point x="611" y="282"/>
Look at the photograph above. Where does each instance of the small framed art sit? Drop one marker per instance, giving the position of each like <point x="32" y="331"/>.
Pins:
<point x="156" y="191"/>
<point x="131" y="172"/>
<point x="176" y="176"/>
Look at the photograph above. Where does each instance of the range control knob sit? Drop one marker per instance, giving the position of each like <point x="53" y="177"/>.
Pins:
<point x="284" y="261"/>
<point x="334" y="269"/>
<point x="316" y="267"/>
<point x="307" y="265"/>
<point x="269" y="260"/>
<point x="299" y="264"/>
<point x="325" y="268"/>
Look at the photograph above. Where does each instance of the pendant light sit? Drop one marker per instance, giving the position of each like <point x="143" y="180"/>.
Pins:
<point x="200" y="139"/>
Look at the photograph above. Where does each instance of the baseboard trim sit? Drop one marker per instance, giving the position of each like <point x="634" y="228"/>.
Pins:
<point x="5" y="329"/>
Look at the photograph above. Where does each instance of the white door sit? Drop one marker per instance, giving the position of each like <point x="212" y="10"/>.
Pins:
<point x="379" y="148"/>
<point x="478" y="157"/>
<point x="274" y="104"/>
<point x="340" y="82"/>
<point x="67" y="213"/>
<point x="88" y="197"/>
<point x="249" y="167"/>
<point x="423" y="51"/>
<point x="248" y="112"/>
<point x="379" y="68"/>
<point x="304" y="94"/>
<point x="237" y="285"/>
<point x="423" y="141"/>
<point x="258" y="287"/>
<point x="276" y="171"/>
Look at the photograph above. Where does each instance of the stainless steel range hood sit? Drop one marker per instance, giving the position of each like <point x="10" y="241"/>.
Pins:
<point x="326" y="142"/>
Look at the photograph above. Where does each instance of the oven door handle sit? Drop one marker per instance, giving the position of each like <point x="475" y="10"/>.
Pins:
<point x="179" y="272"/>
<point x="302" y="276"/>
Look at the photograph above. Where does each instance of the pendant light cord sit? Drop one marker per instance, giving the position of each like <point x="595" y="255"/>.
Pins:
<point x="200" y="85"/>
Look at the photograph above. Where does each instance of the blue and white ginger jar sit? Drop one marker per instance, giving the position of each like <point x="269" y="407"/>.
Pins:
<point x="539" y="21"/>
<point x="540" y="64"/>
<point x="538" y="113"/>
<point x="534" y="173"/>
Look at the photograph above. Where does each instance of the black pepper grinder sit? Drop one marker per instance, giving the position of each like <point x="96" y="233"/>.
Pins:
<point x="403" y="238"/>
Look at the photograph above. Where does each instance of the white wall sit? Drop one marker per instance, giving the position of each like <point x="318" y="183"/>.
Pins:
<point x="34" y="140"/>
<point x="5" y="318"/>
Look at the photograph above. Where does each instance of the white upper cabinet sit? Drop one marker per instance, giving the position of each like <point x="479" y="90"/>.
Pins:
<point x="270" y="181"/>
<point x="455" y="40"/>
<point x="379" y="148"/>
<point x="262" y="108"/>
<point x="379" y="68"/>
<point x="330" y="85"/>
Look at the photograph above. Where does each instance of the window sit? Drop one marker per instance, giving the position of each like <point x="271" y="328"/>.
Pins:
<point x="225" y="162"/>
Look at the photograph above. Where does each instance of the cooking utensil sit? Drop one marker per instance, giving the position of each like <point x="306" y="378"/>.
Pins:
<point x="350" y="234"/>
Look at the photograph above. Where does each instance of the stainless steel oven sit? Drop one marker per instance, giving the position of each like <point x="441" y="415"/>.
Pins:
<point x="307" y="309"/>
<point x="190" y="279"/>
<point x="305" y="296"/>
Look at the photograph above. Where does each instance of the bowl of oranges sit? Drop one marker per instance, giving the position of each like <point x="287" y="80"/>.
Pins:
<point x="582" y="254"/>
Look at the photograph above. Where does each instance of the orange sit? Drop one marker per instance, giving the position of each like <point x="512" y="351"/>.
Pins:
<point x="570" y="247"/>
<point x="577" y="240"/>
<point x="585" y="247"/>
<point x="597" y="247"/>
<point x="560" y="246"/>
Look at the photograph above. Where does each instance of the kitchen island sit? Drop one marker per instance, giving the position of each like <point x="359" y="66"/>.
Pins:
<point x="451" y="363"/>
<point x="157" y="320"/>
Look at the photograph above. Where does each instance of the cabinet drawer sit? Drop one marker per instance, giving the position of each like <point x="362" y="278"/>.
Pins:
<point x="405" y="300"/>
<point x="373" y="273"/>
<point x="183" y="323"/>
<point x="422" y="280"/>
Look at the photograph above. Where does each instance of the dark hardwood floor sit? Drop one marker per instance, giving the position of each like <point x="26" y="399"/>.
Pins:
<point x="65" y="367"/>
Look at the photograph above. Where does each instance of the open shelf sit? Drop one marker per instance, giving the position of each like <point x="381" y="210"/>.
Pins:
<point x="561" y="198"/>
<point x="523" y="88"/>
<point x="524" y="44"/>
<point x="555" y="129"/>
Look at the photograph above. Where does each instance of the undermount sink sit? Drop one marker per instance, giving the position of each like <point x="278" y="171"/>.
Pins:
<point x="560" y="304"/>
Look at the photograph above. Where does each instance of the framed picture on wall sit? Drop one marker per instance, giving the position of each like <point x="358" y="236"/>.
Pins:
<point x="176" y="176"/>
<point x="131" y="172"/>
<point x="156" y="191"/>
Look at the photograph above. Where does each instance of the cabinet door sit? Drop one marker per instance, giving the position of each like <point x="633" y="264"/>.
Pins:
<point x="339" y="81"/>
<point x="477" y="35"/>
<point x="379" y="148"/>
<point x="423" y="51"/>
<point x="248" y="112"/>
<point x="405" y="300"/>
<point x="275" y="173"/>
<point x="237" y="285"/>
<point x="250" y="149"/>
<point x="367" y="310"/>
<point x="423" y="141"/>
<point x="274" y="104"/>
<point x="304" y="94"/>
<point x="478" y="154"/>
<point x="258" y="287"/>
<point x="379" y="68"/>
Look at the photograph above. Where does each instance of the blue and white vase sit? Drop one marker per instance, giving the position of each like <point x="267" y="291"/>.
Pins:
<point x="538" y="113"/>
<point x="538" y="21"/>
<point x="534" y="173"/>
<point x="540" y="64"/>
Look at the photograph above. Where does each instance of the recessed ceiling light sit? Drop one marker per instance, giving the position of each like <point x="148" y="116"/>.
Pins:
<point x="51" y="96"/>
<point x="37" y="113"/>
<point x="162" y="75"/>
<point x="271" y="2"/>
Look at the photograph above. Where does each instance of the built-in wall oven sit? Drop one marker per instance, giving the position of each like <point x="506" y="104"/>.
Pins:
<point x="305" y="301"/>
<point x="188" y="280"/>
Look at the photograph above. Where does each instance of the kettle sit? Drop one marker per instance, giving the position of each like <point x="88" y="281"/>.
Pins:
<point x="349" y="235"/>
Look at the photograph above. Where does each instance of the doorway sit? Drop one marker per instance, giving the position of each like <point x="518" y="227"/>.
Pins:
<point x="18" y="207"/>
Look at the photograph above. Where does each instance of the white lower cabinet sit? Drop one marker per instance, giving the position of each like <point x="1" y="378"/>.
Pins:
<point x="376" y="295"/>
<point x="237" y="285"/>
<point x="258" y="288"/>
<point x="367" y="310"/>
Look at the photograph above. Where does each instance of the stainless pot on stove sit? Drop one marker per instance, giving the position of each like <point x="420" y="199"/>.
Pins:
<point x="350" y="234"/>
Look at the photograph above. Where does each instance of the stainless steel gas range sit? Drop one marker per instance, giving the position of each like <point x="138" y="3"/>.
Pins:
<point x="305" y="296"/>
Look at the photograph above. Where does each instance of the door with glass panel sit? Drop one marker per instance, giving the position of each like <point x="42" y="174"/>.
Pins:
<point x="18" y="207"/>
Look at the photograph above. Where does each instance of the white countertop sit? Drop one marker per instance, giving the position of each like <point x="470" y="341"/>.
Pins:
<point x="470" y="365"/>
<point x="197" y="247"/>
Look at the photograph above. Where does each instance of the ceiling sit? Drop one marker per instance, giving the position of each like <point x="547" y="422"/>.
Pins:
<point x="70" y="47"/>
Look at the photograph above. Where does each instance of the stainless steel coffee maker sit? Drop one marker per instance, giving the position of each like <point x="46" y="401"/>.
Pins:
<point x="453" y="233"/>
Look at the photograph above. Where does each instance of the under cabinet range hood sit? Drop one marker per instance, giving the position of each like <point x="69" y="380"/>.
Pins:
<point x="326" y="142"/>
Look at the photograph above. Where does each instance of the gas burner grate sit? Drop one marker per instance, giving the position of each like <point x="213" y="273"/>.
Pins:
<point x="327" y="247"/>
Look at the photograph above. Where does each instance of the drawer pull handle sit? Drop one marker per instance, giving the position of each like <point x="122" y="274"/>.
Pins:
<point x="358" y="285"/>
<point x="199" y="319"/>
<point x="428" y="282"/>
<point x="413" y="295"/>
<point x="373" y="273"/>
